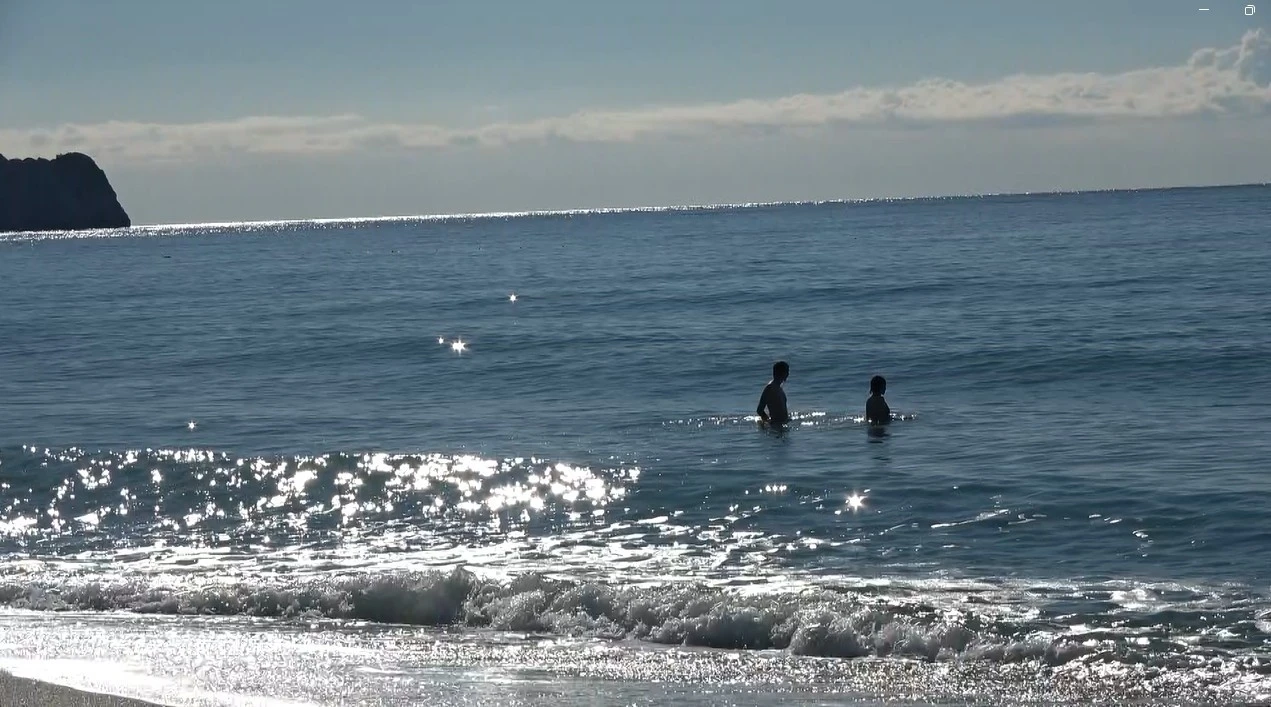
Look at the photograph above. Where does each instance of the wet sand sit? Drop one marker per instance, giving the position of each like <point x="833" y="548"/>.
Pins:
<point x="21" y="692"/>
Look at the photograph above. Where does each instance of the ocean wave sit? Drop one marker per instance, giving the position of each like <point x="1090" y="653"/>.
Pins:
<point x="823" y="621"/>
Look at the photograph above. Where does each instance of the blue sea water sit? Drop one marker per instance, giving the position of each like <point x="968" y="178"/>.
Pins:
<point x="272" y="426"/>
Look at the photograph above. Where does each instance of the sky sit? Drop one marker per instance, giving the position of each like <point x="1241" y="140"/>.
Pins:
<point x="266" y="109"/>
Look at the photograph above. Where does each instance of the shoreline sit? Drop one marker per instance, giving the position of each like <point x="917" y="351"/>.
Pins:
<point x="27" y="692"/>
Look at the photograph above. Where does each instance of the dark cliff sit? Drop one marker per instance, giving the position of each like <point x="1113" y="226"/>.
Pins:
<point x="67" y="193"/>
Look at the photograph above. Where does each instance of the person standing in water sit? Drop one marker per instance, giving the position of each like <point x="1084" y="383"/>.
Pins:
<point x="876" y="410"/>
<point x="772" y="402"/>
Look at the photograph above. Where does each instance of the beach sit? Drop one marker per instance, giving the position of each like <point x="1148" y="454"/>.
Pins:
<point x="21" y="692"/>
<point x="514" y="460"/>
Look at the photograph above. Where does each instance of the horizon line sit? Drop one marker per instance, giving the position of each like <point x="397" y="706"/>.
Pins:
<point x="160" y="228"/>
<point x="601" y="210"/>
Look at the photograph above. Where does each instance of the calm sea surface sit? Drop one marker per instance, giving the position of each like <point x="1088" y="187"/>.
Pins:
<point x="274" y="427"/>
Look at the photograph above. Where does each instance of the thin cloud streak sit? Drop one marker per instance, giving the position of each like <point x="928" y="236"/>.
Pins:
<point x="1229" y="81"/>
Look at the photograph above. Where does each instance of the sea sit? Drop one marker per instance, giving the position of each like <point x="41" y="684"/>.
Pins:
<point x="513" y="459"/>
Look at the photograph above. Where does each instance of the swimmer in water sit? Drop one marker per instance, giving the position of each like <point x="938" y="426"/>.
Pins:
<point x="876" y="410"/>
<point x="772" y="402"/>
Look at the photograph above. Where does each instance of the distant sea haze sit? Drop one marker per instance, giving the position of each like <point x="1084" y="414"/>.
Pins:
<point x="582" y="211"/>
<point x="224" y="446"/>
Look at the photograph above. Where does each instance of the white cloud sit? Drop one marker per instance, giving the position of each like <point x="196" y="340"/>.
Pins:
<point x="1230" y="81"/>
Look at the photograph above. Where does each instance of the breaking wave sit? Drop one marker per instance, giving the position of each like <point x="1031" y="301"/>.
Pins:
<point x="826" y="621"/>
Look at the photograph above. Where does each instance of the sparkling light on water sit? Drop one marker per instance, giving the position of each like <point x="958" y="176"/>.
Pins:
<point x="200" y="495"/>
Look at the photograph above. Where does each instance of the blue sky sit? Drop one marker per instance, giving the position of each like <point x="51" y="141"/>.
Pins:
<point x="236" y="110"/>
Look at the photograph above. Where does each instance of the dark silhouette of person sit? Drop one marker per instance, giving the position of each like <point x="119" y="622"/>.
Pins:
<point x="876" y="410"/>
<point x="772" y="402"/>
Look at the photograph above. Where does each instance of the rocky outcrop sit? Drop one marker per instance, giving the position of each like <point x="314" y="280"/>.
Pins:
<point x="67" y="193"/>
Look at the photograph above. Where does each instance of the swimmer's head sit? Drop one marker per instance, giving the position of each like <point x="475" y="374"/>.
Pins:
<point x="780" y="370"/>
<point x="877" y="385"/>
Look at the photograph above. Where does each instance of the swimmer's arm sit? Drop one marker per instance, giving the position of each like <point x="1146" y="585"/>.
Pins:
<point x="763" y="403"/>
